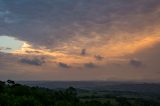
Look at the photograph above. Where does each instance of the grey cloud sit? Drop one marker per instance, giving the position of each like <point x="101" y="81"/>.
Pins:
<point x="98" y="57"/>
<point x="63" y="65"/>
<point x="8" y="48"/>
<point x="34" y="61"/>
<point x="5" y="48"/>
<point x="35" y="51"/>
<point x="6" y="59"/>
<point x="90" y="65"/>
<point x="7" y="17"/>
<point x="55" y="21"/>
<point x="83" y="52"/>
<point x="4" y="13"/>
<point x="135" y="63"/>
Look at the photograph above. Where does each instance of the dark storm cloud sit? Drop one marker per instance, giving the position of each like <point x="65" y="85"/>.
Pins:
<point x="34" y="61"/>
<point x="63" y="65"/>
<point x="90" y="65"/>
<point x="135" y="63"/>
<point x="46" y="22"/>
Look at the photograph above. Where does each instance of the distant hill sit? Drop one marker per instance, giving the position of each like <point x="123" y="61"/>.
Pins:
<point x="86" y="94"/>
<point x="153" y="88"/>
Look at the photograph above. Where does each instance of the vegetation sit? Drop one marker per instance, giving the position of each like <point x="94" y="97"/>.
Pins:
<point x="12" y="94"/>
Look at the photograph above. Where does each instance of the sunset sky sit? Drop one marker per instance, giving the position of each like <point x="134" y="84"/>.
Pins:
<point x="111" y="40"/>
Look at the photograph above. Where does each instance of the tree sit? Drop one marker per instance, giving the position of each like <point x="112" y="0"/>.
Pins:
<point x="71" y="94"/>
<point x="2" y="85"/>
<point x="10" y="82"/>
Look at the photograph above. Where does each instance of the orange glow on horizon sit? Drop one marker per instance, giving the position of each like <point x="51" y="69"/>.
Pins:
<point x="111" y="50"/>
<point x="123" y="48"/>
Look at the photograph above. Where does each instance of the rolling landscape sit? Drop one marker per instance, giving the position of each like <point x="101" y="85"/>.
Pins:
<point x="79" y="52"/>
<point x="81" y="93"/>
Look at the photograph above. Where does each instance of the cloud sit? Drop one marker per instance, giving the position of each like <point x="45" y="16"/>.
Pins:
<point x="135" y="63"/>
<point x="8" y="48"/>
<point x="90" y="65"/>
<point x="5" y="48"/>
<point x="60" y="21"/>
<point x="4" y="13"/>
<point x="68" y="29"/>
<point x="63" y="65"/>
<point x="83" y="52"/>
<point x="8" y="18"/>
<point x="98" y="57"/>
<point x="32" y="52"/>
<point x="33" y="61"/>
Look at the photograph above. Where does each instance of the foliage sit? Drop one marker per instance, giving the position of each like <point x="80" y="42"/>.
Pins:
<point x="12" y="94"/>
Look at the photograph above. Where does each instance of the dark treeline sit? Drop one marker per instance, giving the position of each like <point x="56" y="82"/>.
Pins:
<point x="12" y="94"/>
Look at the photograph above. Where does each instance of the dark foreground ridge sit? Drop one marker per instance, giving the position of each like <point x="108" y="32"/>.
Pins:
<point x="14" y="94"/>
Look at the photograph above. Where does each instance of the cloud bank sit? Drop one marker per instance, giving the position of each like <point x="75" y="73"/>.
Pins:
<point x="105" y="35"/>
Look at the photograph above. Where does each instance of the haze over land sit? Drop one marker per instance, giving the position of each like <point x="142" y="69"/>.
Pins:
<point x="80" y="40"/>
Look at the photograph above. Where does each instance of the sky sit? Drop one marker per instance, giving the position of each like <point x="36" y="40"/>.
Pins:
<point x="111" y="40"/>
